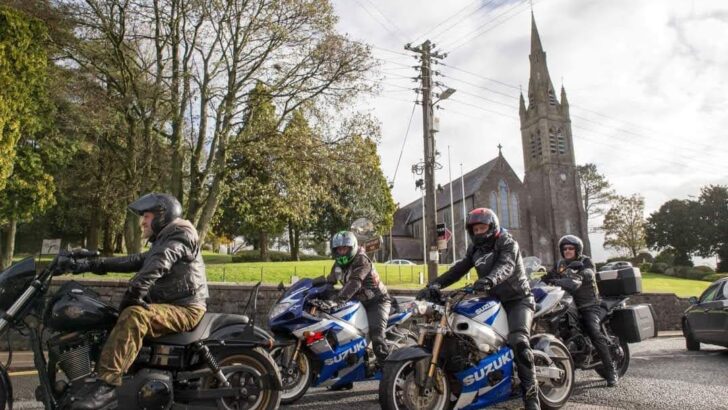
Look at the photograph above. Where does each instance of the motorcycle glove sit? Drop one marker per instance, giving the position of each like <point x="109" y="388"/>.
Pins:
<point x="483" y="285"/>
<point x="132" y="298"/>
<point x="431" y="292"/>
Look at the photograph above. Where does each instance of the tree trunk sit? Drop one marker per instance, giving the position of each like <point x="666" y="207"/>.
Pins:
<point x="119" y="243"/>
<point x="132" y="234"/>
<point x="108" y="248"/>
<point x="92" y="236"/>
<point x="8" y="243"/>
<point x="294" y="242"/>
<point x="264" y="256"/>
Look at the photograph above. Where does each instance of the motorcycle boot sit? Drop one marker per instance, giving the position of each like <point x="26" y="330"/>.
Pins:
<point x="99" y="396"/>
<point x="612" y="376"/>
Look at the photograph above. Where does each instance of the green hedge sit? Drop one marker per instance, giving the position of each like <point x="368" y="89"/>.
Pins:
<point x="275" y="256"/>
<point x="689" y="272"/>
<point x="715" y="276"/>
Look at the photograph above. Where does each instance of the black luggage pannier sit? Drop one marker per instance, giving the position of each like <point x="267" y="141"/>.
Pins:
<point x="634" y="323"/>
<point x="621" y="282"/>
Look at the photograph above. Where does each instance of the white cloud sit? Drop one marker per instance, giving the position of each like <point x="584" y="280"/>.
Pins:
<point x="644" y="79"/>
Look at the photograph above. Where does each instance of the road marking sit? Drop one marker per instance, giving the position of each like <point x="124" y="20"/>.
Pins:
<point x="26" y="373"/>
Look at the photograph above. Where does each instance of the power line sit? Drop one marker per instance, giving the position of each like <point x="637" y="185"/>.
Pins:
<point x="406" y="133"/>
<point x="444" y="21"/>
<point x="481" y="76"/>
<point x="396" y="27"/>
<point x="394" y="32"/>
<point x="578" y="107"/>
<point x="454" y="24"/>
<point x="459" y="42"/>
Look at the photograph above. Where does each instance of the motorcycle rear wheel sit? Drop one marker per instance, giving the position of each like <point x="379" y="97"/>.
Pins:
<point x="554" y="395"/>
<point x="621" y="360"/>
<point x="268" y="398"/>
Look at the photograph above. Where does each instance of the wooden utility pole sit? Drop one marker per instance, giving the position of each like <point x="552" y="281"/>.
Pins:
<point x="426" y="54"/>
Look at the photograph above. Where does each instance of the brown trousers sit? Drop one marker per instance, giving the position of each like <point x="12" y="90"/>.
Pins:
<point x="135" y="323"/>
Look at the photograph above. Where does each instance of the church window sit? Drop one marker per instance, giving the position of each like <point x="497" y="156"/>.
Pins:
<point x="503" y="211"/>
<point x="552" y="97"/>
<point x="515" y="220"/>
<point x="494" y="202"/>
<point x="561" y="140"/>
<point x="552" y="141"/>
<point x="535" y="146"/>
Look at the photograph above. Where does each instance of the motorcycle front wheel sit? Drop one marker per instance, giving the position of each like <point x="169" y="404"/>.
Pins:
<point x="399" y="391"/>
<point x="259" y="396"/>
<point x="296" y="377"/>
<point x="6" y="390"/>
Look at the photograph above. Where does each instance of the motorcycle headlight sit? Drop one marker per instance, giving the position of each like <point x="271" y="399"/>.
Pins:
<point x="279" y="309"/>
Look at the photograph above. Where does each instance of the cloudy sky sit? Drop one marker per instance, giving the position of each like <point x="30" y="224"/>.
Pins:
<point x="645" y="81"/>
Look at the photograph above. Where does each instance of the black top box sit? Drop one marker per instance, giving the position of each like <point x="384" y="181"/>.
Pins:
<point x="621" y="282"/>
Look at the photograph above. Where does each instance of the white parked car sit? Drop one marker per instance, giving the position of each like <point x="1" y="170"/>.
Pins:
<point x="399" y="262"/>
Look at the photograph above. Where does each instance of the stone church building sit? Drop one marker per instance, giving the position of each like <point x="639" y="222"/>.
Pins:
<point x="537" y="210"/>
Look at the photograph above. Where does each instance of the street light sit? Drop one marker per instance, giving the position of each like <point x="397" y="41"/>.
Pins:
<point x="444" y="95"/>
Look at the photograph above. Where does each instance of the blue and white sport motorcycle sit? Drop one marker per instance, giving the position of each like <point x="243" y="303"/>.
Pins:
<point x="326" y="347"/>
<point x="462" y="360"/>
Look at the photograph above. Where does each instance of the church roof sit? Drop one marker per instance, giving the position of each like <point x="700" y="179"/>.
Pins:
<point x="472" y="181"/>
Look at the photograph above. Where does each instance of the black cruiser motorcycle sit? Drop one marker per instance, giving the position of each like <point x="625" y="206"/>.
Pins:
<point x="221" y="364"/>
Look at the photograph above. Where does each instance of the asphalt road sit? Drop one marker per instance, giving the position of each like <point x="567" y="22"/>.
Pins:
<point x="662" y="375"/>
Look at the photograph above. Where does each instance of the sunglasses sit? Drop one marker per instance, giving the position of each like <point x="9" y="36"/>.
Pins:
<point x="569" y="248"/>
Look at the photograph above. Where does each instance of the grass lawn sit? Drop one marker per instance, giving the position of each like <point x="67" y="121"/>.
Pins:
<point x="654" y="282"/>
<point x="221" y="269"/>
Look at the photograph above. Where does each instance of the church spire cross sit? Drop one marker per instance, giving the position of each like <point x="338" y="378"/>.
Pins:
<point x="500" y="152"/>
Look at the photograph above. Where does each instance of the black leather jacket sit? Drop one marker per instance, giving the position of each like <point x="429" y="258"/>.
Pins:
<point x="581" y="284"/>
<point x="500" y="261"/>
<point x="360" y="279"/>
<point x="171" y="271"/>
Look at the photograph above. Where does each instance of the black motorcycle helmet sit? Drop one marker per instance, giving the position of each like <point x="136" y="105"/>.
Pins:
<point x="571" y="240"/>
<point x="482" y="216"/>
<point x="166" y="208"/>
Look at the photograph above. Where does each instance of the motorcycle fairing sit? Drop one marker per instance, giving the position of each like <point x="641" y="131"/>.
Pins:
<point x="488" y="382"/>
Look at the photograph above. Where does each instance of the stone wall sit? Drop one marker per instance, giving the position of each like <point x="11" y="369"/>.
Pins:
<point x="233" y="298"/>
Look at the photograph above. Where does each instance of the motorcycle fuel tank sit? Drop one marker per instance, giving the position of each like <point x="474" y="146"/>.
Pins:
<point x="15" y="280"/>
<point x="484" y="320"/>
<point x="76" y="308"/>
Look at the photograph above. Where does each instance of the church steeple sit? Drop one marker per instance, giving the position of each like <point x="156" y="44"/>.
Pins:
<point x="535" y="38"/>
<point x="540" y="88"/>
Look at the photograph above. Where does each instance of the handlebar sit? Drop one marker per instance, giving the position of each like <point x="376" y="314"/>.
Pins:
<point x="82" y="254"/>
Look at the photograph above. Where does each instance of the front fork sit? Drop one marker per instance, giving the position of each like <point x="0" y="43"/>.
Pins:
<point x="425" y="379"/>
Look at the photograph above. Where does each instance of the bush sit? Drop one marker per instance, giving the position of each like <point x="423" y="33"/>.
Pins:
<point x="715" y="276"/>
<point x="703" y="269"/>
<point x="645" y="267"/>
<point x="667" y="257"/>
<point x="658" y="267"/>
<point x="642" y="257"/>
<point x="275" y="256"/>
<point x="689" y="272"/>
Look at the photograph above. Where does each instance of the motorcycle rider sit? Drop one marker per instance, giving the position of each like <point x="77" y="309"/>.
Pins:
<point x="354" y="269"/>
<point x="496" y="257"/>
<point x="575" y="274"/>
<point x="167" y="295"/>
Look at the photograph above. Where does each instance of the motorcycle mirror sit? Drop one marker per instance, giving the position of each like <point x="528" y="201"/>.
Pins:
<point x="693" y="300"/>
<point x="367" y="236"/>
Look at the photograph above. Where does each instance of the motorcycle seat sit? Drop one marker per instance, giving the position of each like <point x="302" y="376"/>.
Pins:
<point x="210" y="322"/>
<point x="609" y="304"/>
